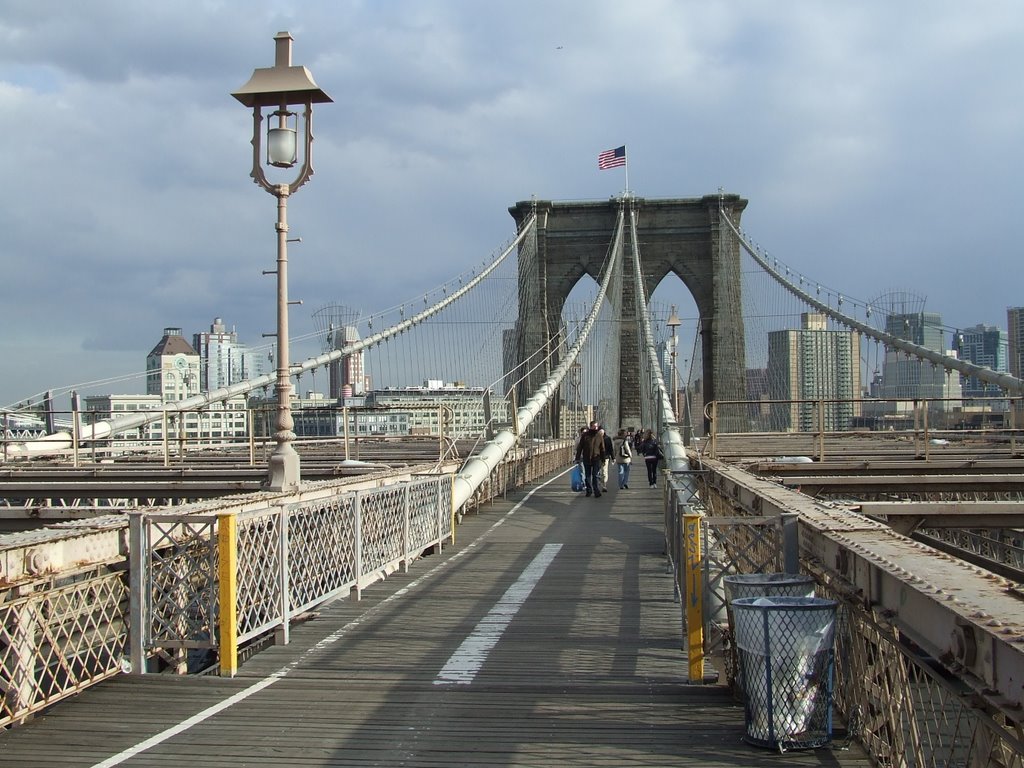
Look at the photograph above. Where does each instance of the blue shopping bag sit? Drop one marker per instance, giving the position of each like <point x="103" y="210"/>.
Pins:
<point x="576" y="478"/>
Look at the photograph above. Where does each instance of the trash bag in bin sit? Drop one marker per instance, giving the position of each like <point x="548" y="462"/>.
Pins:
<point x="786" y="656"/>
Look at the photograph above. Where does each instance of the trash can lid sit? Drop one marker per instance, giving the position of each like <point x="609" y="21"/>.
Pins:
<point x="785" y="603"/>
<point x="768" y="578"/>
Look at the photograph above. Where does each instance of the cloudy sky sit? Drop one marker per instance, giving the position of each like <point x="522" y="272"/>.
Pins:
<point x="879" y="144"/>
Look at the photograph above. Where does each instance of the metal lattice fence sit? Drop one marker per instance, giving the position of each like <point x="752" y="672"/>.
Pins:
<point x="907" y="711"/>
<point x="322" y="551"/>
<point x="55" y="642"/>
<point x="309" y="552"/>
<point x="180" y="582"/>
<point x="154" y="593"/>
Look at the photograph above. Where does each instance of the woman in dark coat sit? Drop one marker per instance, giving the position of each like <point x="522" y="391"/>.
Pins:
<point x="651" y="450"/>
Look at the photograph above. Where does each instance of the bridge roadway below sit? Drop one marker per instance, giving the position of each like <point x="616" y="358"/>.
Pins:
<point x="547" y="635"/>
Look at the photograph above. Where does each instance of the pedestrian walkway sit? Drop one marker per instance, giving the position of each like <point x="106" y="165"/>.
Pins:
<point x="546" y="636"/>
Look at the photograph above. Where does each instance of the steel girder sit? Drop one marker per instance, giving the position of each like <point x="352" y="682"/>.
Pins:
<point x="968" y="619"/>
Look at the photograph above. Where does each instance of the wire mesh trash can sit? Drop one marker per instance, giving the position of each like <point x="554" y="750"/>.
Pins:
<point x="740" y="585"/>
<point x="786" y="658"/>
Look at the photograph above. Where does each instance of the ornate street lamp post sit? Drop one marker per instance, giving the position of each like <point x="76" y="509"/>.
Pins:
<point x="278" y="88"/>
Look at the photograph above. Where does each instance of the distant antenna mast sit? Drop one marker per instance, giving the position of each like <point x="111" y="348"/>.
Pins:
<point x="331" y="319"/>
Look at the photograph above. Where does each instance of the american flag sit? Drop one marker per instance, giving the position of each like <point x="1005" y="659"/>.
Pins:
<point x="612" y="158"/>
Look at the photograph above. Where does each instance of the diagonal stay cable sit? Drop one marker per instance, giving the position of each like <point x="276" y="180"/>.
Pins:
<point x="62" y="441"/>
<point x="1011" y="384"/>
<point x="478" y="467"/>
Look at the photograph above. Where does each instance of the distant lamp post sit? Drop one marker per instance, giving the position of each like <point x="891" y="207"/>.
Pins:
<point x="575" y="377"/>
<point x="279" y="87"/>
<point x="673" y="323"/>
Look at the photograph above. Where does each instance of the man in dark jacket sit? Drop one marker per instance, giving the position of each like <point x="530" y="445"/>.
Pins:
<point x="592" y="455"/>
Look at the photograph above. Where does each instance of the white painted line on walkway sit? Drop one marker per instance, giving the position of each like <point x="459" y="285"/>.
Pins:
<point x="462" y="666"/>
<point x="280" y="674"/>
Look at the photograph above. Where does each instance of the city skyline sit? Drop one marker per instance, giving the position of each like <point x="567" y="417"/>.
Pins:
<point x="868" y="163"/>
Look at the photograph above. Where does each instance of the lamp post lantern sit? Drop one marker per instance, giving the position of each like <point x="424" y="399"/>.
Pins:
<point x="278" y="88"/>
<point x="673" y="323"/>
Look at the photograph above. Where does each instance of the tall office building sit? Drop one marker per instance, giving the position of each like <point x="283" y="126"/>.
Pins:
<point x="223" y="360"/>
<point x="982" y="345"/>
<point x="172" y="368"/>
<point x="809" y="365"/>
<point x="1015" y="337"/>
<point x="909" y="378"/>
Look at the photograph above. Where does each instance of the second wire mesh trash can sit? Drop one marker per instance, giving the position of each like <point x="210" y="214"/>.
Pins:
<point x="786" y="656"/>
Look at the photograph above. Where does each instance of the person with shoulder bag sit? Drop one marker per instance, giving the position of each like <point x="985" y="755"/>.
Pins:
<point x="623" y="457"/>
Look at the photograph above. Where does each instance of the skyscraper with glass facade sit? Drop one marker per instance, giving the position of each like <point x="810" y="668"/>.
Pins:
<point x="982" y="345"/>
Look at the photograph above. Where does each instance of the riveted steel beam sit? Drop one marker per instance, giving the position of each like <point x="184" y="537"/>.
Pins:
<point x="965" y="617"/>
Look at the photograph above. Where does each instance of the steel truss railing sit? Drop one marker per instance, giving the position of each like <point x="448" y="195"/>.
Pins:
<point x="814" y="439"/>
<point x="73" y="594"/>
<point x="997" y="546"/>
<point x="908" y="710"/>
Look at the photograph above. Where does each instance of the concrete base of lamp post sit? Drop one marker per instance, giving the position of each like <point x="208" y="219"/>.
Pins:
<point x="283" y="472"/>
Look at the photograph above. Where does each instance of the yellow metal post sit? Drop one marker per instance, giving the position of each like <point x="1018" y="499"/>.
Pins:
<point x="694" y="597"/>
<point x="227" y="545"/>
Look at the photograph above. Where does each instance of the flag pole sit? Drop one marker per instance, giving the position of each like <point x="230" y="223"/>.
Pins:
<point x="626" y="166"/>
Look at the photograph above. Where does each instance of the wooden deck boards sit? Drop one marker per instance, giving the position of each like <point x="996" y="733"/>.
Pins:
<point x="589" y="672"/>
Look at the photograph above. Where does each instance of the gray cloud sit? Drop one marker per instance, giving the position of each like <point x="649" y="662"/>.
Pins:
<point x="878" y="144"/>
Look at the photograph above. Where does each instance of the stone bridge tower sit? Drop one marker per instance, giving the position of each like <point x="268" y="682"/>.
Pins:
<point x="678" y="236"/>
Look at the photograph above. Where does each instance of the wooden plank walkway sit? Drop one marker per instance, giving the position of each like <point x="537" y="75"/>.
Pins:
<point x="546" y="636"/>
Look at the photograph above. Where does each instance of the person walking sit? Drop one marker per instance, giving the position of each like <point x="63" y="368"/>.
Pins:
<point x="652" y="455"/>
<point x="623" y="457"/>
<point x="592" y="454"/>
<point x="579" y="461"/>
<point x="609" y="452"/>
